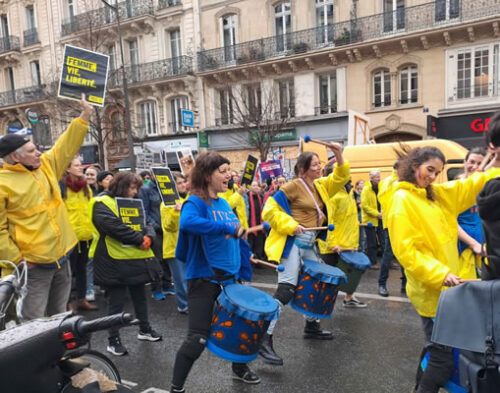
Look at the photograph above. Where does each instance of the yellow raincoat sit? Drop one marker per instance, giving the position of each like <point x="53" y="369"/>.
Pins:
<point x="369" y="210"/>
<point x="385" y="191"/>
<point x="77" y="205"/>
<point x="170" y="224"/>
<point x="34" y="223"/>
<point x="424" y="234"/>
<point x="283" y="225"/>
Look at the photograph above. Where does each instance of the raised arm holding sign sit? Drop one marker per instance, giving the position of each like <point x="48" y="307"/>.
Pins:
<point x="166" y="185"/>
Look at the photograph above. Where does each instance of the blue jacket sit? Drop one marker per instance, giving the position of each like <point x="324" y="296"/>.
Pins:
<point x="152" y="201"/>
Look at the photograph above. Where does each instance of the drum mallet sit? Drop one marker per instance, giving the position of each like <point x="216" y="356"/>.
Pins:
<point x="279" y="268"/>
<point x="366" y="225"/>
<point x="308" y="139"/>
<point x="330" y="227"/>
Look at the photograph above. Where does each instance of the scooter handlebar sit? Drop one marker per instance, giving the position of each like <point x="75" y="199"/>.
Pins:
<point x="86" y="327"/>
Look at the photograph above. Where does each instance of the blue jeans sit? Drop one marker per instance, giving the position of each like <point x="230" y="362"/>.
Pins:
<point x="385" y="264"/>
<point x="362" y="239"/>
<point x="178" y="270"/>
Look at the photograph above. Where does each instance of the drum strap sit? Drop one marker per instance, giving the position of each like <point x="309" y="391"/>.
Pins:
<point x="321" y="215"/>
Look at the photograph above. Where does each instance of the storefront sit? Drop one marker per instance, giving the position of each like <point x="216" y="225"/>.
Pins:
<point x="468" y="130"/>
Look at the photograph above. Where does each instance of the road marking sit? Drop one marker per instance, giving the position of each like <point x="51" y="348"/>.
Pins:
<point x="358" y="294"/>
<point x="129" y="383"/>
<point x="154" y="390"/>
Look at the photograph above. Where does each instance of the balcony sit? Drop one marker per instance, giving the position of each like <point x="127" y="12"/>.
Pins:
<point x="400" y="22"/>
<point x="9" y="43"/>
<point x="95" y="19"/>
<point x="30" y="37"/>
<point x="156" y="70"/>
<point x="25" y="95"/>
<point x="168" y="3"/>
<point x="325" y="108"/>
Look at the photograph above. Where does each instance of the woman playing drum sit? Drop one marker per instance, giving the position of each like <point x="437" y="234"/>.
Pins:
<point x="209" y="245"/>
<point x="300" y="204"/>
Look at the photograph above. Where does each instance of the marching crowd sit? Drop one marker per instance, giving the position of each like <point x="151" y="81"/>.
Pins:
<point x="62" y="219"/>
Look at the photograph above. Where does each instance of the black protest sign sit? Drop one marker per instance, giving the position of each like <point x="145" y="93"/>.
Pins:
<point x="250" y="168"/>
<point x="131" y="212"/>
<point x="166" y="185"/>
<point x="84" y="71"/>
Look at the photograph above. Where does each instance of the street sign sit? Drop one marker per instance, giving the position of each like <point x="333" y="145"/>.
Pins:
<point x="31" y="115"/>
<point x="19" y="130"/>
<point x="187" y="118"/>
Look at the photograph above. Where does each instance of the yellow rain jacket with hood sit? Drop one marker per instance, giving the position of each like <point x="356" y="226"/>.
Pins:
<point x="170" y="224"/>
<point x="77" y="205"/>
<point x="369" y="209"/>
<point x="424" y="234"/>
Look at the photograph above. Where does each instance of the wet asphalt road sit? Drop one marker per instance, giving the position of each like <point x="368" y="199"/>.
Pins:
<point x="374" y="349"/>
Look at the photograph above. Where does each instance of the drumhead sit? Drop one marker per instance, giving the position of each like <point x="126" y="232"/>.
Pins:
<point x="248" y="302"/>
<point x="324" y="273"/>
<point x="356" y="259"/>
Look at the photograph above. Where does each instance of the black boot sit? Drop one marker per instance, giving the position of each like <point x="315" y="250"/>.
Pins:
<point x="313" y="330"/>
<point x="266" y="351"/>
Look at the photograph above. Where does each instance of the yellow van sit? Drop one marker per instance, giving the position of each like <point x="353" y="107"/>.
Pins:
<point x="381" y="156"/>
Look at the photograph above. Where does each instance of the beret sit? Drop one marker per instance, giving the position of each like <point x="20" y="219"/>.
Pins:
<point x="102" y="175"/>
<point x="11" y="142"/>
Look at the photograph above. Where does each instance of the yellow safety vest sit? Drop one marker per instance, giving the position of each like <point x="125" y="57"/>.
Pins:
<point x="115" y="248"/>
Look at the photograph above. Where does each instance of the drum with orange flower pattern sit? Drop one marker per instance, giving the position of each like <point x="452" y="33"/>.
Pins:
<point x="240" y="318"/>
<point x="317" y="289"/>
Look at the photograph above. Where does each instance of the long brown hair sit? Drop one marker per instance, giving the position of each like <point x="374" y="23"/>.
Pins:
<point x="122" y="181"/>
<point x="64" y="182"/>
<point x="205" y="165"/>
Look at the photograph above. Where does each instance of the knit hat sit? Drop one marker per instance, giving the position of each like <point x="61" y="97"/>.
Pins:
<point x="102" y="175"/>
<point x="11" y="142"/>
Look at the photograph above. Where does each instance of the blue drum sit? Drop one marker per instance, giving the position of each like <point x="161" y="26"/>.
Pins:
<point x="241" y="317"/>
<point x="353" y="264"/>
<point x="317" y="289"/>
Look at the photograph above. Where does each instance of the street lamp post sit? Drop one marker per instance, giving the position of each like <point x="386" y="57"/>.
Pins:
<point x="128" y="122"/>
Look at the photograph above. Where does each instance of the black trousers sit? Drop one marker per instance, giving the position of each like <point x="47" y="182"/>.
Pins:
<point x="202" y="295"/>
<point x="257" y="241"/>
<point x="78" y="259"/>
<point x="116" y="301"/>
<point x="166" y="281"/>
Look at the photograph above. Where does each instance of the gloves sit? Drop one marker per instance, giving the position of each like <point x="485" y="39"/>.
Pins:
<point x="146" y="243"/>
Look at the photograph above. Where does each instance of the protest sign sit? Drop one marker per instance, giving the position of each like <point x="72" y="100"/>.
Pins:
<point x="186" y="161"/>
<point x="270" y="169"/>
<point x="249" y="172"/>
<point x="131" y="212"/>
<point x="83" y="71"/>
<point x="166" y="185"/>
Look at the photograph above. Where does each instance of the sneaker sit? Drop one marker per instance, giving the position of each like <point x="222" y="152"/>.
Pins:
<point x="169" y="291"/>
<point x="382" y="291"/>
<point x="116" y="347"/>
<point x="182" y="310"/>
<point x="245" y="375"/>
<point x="354" y="303"/>
<point x="158" y="296"/>
<point x="90" y="296"/>
<point x="149" y="336"/>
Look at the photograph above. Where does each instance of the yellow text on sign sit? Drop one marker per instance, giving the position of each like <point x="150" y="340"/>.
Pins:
<point x="167" y="191"/>
<point x="82" y="64"/>
<point x="129" y="212"/>
<point x="163" y="179"/>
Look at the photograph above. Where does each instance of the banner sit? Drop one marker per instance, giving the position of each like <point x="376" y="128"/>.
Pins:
<point x="186" y="161"/>
<point x="83" y="71"/>
<point x="249" y="172"/>
<point x="131" y="212"/>
<point x="166" y="185"/>
<point x="270" y="169"/>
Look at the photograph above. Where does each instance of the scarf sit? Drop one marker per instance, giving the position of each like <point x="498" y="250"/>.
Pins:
<point x="75" y="185"/>
<point x="253" y="215"/>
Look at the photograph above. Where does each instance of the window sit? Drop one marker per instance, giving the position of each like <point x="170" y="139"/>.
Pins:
<point x="117" y="124"/>
<point x="175" y="50"/>
<point x="176" y="105"/>
<point x="10" y="78"/>
<point x="4" y="26"/>
<point x="327" y="93"/>
<point x="408" y="82"/>
<point x="324" y="21"/>
<point x="394" y="15"/>
<point x="286" y="91"/>
<point x="70" y="9"/>
<point x="477" y="72"/>
<point x="226" y="107"/>
<point x="35" y="73"/>
<point x="134" y="60"/>
<point x="446" y="10"/>
<point x="147" y="112"/>
<point x="30" y="17"/>
<point x="283" y="26"/>
<point x="381" y="88"/>
<point x="112" y="57"/>
<point x="131" y="8"/>
<point x="89" y="136"/>
<point x="228" y="26"/>
<point x="253" y="101"/>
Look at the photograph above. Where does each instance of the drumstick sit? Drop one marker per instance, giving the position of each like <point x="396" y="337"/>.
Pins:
<point x="340" y="249"/>
<point x="330" y="227"/>
<point x="308" y="139"/>
<point x="366" y="225"/>
<point x="485" y="161"/>
<point x="279" y="268"/>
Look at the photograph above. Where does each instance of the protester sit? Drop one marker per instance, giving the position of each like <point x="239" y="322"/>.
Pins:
<point x="91" y="178"/>
<point x="254" y="211"/>
<point x="77" y="195"/>
<point x="212" y="258"/>
<point x="302" y="203"/>
<point x="423" y="230"/>
<point x="103" y="180"/>
<point x="146" y="177"/>
<point x="371" y="217"/>
<point x="151" y="198"/>
<point x="123" y="258"/>
<point x="170" y="216"/>
<point x="358" y="188"/>
<point x="33" y="209"/>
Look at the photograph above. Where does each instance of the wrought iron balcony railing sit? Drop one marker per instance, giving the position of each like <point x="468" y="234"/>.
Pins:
<point x="285" y="112"/>
<point x="161" y="69"/>
<point x="9" y="43"/>
<point x="402" y="21"/>
<point x="104" y="16"/>
<point x="27" y="94"/>
<point x="324" y="109"/>
<point x="168" y="3"/>
<point x="30" y="37"/>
